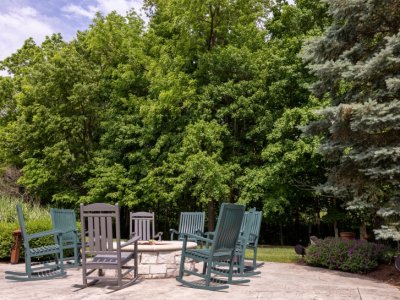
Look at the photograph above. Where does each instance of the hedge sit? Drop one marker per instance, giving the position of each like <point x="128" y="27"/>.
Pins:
<point x="32" y="226"/>
<point x="355" y="256"/>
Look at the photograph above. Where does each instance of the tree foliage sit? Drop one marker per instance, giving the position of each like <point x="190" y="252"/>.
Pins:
<point x="357" y="65"/>
<point x="202" y="106"/>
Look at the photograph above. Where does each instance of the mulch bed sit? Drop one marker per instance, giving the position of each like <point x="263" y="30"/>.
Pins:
<point x="386" y="273"/>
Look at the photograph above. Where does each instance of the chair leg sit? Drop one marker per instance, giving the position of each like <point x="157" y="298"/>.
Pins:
<point x="208" y="274"/>
<point x="84" y="276"/>
<point x="136" y="262"/>
<point x="119" y="276"/>
<point x="76" y="255"/>
<point x="254" y="257"/>
<point x="61" y="262"/>
<point x="28" y="268"/>
<point x="182" y="266"/>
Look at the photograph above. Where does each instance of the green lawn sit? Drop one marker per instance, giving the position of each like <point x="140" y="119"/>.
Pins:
<point x="283" y="254"/>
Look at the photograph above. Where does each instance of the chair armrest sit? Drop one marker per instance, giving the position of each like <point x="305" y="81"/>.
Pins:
<point x="68" y="230"/>
<point x="133" y="234"/>
<point x="173" y="231"/>
<point x="44" y="233"/>
<point x="209" y="234"/>
<point x="197" y="237"/>
<point x="199" y="232"/>
<point x="158" y="235"/>
<point x="242" y="241"/>
<point x="131" y="241"/>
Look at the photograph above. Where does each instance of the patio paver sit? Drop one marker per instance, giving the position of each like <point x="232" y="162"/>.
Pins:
<point x="277" y="281"/>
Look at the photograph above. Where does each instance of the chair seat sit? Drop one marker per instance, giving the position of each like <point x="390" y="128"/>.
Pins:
<point x="49" y="249"/>
<point x="110" y="259"/>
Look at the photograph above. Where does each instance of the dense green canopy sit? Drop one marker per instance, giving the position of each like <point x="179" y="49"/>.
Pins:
<point x="203" y="105"/>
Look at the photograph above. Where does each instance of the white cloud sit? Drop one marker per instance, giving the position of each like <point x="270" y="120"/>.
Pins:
<point x="105" y="7"/>
<point x="79" y="11"/>
<point x="17" y="25"/>
<point x="120" y="6"/>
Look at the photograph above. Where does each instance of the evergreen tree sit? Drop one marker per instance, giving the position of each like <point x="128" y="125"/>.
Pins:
<point x="357" y="63"/>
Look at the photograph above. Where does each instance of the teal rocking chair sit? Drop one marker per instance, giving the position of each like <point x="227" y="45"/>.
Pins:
<point x="239" y="267"/>
<point x="190" y="222"/>
<point x="221" y="250"/>
<point x="64" y="220"/>
<point x="254" y="234"/>
<point x="39" y="270"/>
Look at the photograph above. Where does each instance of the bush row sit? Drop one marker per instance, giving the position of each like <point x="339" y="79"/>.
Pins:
<point x="355" y="256"/>
<point x="32" y="226"/>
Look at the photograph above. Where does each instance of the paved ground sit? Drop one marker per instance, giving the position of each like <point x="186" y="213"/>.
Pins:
<point x="277" y="281"/>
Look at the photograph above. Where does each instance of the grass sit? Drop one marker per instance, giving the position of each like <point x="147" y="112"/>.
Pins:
<point x="32" y="211"/>
<point x="282" y="254"/>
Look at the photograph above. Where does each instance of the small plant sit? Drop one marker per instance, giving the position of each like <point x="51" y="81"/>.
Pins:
<point x="355" y="256"/>
<point x="32" y="211"/>
<point x="152" y="242"/>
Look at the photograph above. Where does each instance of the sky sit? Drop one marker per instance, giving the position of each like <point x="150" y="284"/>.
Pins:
<point x="21" y="19"/>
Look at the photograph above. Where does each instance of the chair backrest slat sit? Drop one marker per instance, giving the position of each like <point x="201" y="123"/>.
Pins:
<point x="90" y="233"/>
<point x="190" y="222"/>
<point x="255" y="229"/>
<point x="255" y="225"/>
<point x="109" y="234"/>
<point x="22" y="226"/>
<point x="248" y="224"/>
<point x="142" y="223"/>
<point x="97" y="222"/>
<point x="96" y="234"/>
<point x="228" y="227"/>
<point x="65" y="220"/>
<point x="103" y="232"/>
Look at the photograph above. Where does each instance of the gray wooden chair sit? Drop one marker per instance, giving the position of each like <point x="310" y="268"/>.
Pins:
<point x="64" y="220"/>
<point x="102" y="250"/>
<point x="222" y="249"/>
<point x="142" y="224"/>
<point x="253" y="238"/>
<point x="38" y="270"/>
<point x="189" y="222"/>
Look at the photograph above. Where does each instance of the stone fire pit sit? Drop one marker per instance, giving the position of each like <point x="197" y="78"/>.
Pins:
<point x="162" y="259"/>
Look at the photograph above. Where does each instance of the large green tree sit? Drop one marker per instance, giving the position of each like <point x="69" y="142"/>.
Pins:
<point x="184" y="142"/>
<point x="56" y="101"/>
<point x="289" y="165"/>
<point x="357" y="63"/>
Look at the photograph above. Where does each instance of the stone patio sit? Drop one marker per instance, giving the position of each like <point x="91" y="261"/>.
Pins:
<point x="277" y="281"/>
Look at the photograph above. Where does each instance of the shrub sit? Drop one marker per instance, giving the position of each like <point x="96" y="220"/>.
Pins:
<point x="6" y="239"/>
<point x="355" y="256"/>
<point x="32" y="226"/>
<point x="37" y="219"/>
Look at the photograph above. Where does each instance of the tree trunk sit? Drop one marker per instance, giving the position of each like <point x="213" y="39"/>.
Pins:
<point x="281" y="232"/>
<point x="335" y="229"/>
<point x="363" y="231"/>
<point x="211" y="215"/>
